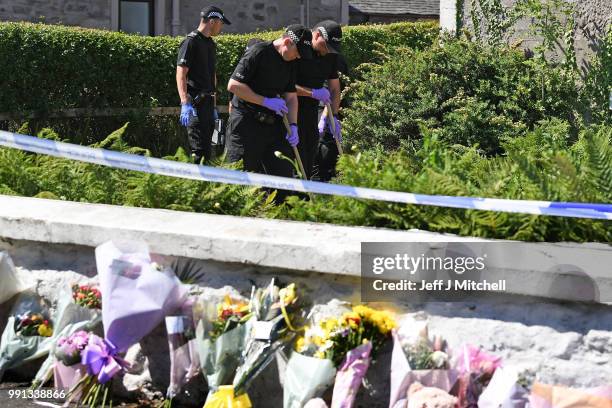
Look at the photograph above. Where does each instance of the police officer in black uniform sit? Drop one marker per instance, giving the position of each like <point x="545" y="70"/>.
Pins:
<point x="196" y="82"/>
<point x="263" y="85"/>
<point x="312" y="74"/>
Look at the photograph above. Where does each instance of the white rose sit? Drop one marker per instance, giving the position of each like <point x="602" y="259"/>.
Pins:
<point x="439" y="359"/>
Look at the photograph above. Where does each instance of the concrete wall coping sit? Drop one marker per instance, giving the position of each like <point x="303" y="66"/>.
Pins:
<point x="303" y="246"/>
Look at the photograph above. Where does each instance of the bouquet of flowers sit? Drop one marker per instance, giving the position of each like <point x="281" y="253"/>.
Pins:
<point x="11" y="284"/>
<point x="347" y="343"/>
<point x="68" y="369"/>
<point x="136" y="296"/>
<point x="230" y="314"/>
<point x="80" y="311"/>
<point x="275" y="312"/>
<point x="27" y="335"/>
<point x="417" y="358"/>
<point x="221" y="335"/>
<point x="475" y="368"/>
<point x="87" y="296"/>
<point x="33" y="324"/>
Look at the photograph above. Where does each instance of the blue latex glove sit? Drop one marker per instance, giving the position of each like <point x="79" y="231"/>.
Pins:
<point x="187" y="111"/>
<point x="215" y="114"/>
<point x="293" y="137"/>
<point x="324" y="123"/>
<point x="321" y="94"/>
<point x="277" y="105"/>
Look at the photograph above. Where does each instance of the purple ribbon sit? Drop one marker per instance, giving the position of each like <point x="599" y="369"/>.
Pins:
<point x="100" y="358"/>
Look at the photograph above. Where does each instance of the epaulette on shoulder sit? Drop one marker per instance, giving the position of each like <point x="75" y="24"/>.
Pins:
<point x="192" y="34"/>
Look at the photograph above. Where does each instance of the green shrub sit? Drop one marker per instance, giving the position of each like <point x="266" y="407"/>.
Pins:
<point x="49" y="67"/>
<point x="470" y="93"/>
<point x="543" y="165"/>
<point x="46" y="67"/>
<point x="599" y="82"/>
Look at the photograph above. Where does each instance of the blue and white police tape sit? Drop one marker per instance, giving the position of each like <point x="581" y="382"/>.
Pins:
<point x="220" y="175"/>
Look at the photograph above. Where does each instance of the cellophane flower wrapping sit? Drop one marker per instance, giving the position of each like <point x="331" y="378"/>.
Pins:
<point x="417" y="358"/>
<point x="184" y="360"/>
<point x="28" y="333"/>
<point x="73" y="318"/>
<point x="11" y="285"/>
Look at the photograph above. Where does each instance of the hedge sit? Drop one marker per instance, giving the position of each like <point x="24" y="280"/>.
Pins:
<point x="48" y="67"/>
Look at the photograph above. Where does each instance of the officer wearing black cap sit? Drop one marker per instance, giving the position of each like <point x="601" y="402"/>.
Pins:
<point x="196" y="82"/>
<point x="311" y="76"/>
<point x="263" y="85"/>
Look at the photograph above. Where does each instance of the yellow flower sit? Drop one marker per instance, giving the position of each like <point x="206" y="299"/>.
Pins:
<point x="363" y="311"/>
<point x="287" y="294"/>
<point x="300" y="343"/>
<point x="319" y="354"/>
<point x="329" y="325"/>
<point x="45" y="331"/>
<point x="318" y="341"/>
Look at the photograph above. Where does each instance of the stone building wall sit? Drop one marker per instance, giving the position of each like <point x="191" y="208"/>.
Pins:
<point x="250" y="16"/>
<point x="86" y="13"/>
<point x="593" y="18"/>
<point x="246" y="15"/>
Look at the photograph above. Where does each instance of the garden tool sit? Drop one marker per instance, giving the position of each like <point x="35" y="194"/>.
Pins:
<point x="332" y="123"/>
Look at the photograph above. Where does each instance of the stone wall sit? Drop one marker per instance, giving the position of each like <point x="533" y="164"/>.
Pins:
<point x="52" y="243"/>
<point x="246" y="15"/>
<point x="593" y="18"/>
<point x="85" y="13"/>
<point x="359" y="18"/>
<point x="250" y="16"/>
<point x="562" y="342"/>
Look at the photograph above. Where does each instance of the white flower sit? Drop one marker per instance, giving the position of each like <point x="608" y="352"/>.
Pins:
<point x="278" y="154"/>
<point x="314" y="331"/>
<point x="439" y="359"/>
<point x="326" y="346"/>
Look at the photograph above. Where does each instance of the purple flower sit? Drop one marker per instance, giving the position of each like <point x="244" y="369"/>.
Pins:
<point x="68" y="349"/>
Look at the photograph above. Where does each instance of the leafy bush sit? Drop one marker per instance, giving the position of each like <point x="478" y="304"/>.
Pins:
<point x="543" y="165"/>
<point x="49" y="67"/>
<point x="469" y="93"/>
<point x="599" y="82"/>
<point x="27" y="174"/>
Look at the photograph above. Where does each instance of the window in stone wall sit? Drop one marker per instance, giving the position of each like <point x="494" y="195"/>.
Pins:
<point x="136" y="16"/>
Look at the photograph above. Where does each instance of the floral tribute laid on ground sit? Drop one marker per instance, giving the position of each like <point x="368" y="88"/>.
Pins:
<point x="323" y="354"/>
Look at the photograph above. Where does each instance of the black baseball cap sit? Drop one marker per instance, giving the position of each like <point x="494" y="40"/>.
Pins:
<point x="214" y="12"/>
<point x="332" y="32"/>
<point x="302" y="38"/>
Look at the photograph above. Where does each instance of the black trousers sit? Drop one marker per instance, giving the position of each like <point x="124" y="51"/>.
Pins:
<point x="308" y="119"/>
<point x="200" y="130"/>
<point x="324" y="167"/>
<point x="255" y="143"/>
